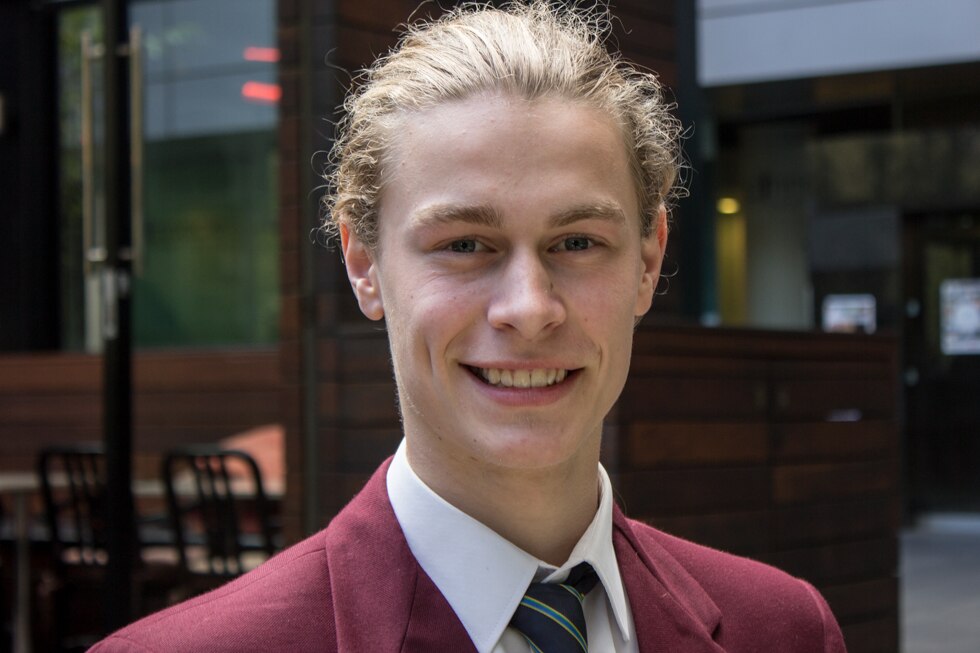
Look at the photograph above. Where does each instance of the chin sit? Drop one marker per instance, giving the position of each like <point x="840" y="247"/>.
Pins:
<point x="531" y="451"/>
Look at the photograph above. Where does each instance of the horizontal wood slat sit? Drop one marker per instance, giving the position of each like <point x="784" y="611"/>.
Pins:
<point x="876" y="636"/>
<point x="798" y="483"/>
<point x="685" y="491"/>
<point x="828" y="399"/>
<point x="762" y="345"/>
<point x="820" y="441"/>
<point x="152" y="371"/>
<point x="858" y="601"/>
<point x="179" y="397"/>
<point x="359" y="404"/>
<point x="666" y="444"/>
<point x="691" y="398"/>
<point x="853" y="519"/>
<point x="51" y="410"/>
<point x="49" y="373"/>
<point x="833" y="564"/>
<point x="744" y="533"/>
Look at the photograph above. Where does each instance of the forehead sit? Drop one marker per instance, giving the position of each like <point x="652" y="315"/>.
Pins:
<point x="506" y="151"/>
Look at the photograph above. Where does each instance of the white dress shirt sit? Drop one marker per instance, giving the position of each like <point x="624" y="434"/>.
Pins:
<point x="484" y="576"/>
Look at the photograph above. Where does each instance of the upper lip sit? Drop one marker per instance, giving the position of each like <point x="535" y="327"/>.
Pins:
<point x="523" y="365"/>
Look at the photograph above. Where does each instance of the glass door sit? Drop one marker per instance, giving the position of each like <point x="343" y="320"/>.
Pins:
<point x="942" y="361"/>
<point x="204" y="108"/>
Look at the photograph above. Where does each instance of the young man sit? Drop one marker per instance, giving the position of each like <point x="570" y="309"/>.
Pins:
<point x="500" y="196"/>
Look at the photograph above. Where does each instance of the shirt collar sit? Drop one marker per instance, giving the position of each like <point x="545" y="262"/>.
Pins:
<point x="459" y="553"/>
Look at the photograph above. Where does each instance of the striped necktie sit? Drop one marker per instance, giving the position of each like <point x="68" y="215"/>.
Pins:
<point x="550" y="615"/>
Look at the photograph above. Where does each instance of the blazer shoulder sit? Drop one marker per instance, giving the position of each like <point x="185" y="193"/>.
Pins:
<point x="311" y="597"/>
<point x="281" y="605"/>
<point x="756" y="600"/>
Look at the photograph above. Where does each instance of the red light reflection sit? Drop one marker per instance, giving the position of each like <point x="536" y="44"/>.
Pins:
<point x="267" y="55"/>
<point x="261" y="92"/>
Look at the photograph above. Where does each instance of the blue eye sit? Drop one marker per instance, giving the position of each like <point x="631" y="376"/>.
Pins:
<point x="576" y="243"/>
<point x="464" y="246"/>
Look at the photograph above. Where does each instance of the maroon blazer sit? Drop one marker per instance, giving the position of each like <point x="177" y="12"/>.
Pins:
<point x="356" y="588"/>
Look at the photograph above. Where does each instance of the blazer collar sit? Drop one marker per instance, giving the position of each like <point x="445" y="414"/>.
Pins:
<point x="384" y="601"/>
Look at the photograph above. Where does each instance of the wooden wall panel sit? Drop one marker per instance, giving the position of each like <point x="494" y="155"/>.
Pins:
<point x="807" y="483"/>
<point x="831" y="521"/>
<point x="737" y="531"/>
<point x="813" y="441"/>
<point x="866" y="598"/>
<point x="879" y="635"/>
<point x="781" y="446"/>
<point x="707" y="398"/>
<point x="179" y="398"/>
<point x="842" y="562"/>
<point x="689" y="491"/>
<point x="670" y="444"/>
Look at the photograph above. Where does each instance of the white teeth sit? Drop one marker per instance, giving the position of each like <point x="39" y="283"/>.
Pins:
<point x="537" y="378"/>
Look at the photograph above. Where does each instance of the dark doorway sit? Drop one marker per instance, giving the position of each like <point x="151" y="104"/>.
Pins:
<point x="942" y="360"/>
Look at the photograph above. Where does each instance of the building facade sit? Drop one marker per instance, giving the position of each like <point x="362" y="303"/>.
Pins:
<point x="844" y="150"/>
<point x="779" y="446"/>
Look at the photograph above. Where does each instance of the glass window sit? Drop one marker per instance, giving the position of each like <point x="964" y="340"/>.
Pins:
<point x="210" y="268"/>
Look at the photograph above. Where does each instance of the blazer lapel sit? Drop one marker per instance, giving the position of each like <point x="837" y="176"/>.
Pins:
<point x="671" y="611"/>
<point x="432" y="624"/>
<point x="383" y="601"/>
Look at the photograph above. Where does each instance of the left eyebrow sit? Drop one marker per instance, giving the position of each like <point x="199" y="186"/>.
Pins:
<point x="601" y="211"/>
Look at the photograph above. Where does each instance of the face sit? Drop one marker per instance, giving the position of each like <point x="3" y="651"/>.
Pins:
<point x="510" y="270"/>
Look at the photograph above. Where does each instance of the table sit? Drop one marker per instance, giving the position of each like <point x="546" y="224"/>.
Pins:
<point x="21" y="486"/>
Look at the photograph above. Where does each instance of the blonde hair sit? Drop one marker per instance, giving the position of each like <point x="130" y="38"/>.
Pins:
<point x="532" y="50"/>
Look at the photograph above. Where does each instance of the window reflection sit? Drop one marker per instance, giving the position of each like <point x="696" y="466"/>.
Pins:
<point x="211" y="261"/>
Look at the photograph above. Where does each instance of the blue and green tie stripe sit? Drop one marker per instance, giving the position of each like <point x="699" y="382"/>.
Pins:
<point x="559" y="618"/>
<point x="551" y="617"/>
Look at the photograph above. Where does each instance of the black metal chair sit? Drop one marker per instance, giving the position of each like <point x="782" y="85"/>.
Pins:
<point x="73" y="488"/>
<point x="73" y="485"/>
<point x="220" y="514"/>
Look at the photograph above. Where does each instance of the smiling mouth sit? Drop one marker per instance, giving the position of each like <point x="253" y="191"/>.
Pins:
<point x="536" y="378"/>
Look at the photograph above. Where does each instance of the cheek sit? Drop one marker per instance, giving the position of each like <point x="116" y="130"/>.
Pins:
<point x="608" y="303"/>
<point x="429" y="316"/>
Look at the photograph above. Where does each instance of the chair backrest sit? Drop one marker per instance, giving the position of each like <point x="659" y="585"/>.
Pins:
<point x="219" y="511"/>
<point x="73" y="486"/>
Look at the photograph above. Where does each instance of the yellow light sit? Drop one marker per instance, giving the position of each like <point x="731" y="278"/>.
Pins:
<point x="728" y="206"/>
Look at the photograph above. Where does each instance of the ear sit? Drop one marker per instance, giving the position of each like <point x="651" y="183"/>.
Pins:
<point x="652" y="249"/>
<point x="363" y="273"/>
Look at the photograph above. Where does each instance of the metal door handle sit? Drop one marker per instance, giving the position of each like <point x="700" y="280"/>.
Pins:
<point x="92" y="250"/>
<point x="136" y="148"/>
<point x="93" y="246"/>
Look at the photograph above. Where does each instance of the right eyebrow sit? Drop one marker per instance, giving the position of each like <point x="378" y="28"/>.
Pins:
<point x="436" y="214"/>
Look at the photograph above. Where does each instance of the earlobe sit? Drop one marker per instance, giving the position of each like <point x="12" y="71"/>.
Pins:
<point x="363" y="273"/>
<point x="652" y="249"/>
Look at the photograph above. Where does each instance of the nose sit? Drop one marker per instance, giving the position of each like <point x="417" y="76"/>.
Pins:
<point x="525" y="299"/>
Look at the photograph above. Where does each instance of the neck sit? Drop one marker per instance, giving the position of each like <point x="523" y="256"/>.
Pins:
<point x="543" y="511"/>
